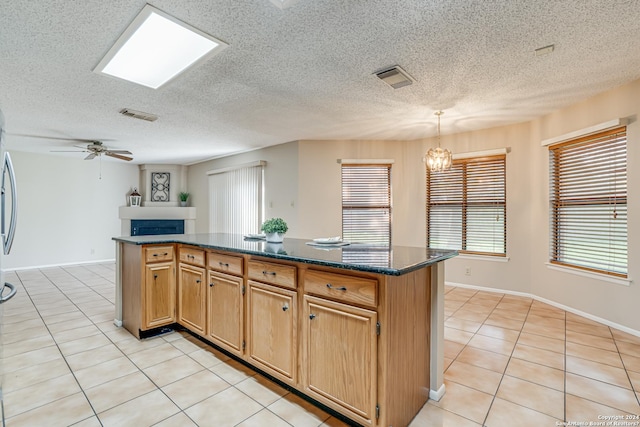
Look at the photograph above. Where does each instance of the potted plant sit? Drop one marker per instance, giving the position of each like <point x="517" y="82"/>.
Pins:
<point x="274" y="228"/>
<point x="184" y="197"/>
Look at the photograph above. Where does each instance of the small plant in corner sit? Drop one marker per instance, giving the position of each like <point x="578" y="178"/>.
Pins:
<point x="183" y="196"/>
<point x="274" y="225"/>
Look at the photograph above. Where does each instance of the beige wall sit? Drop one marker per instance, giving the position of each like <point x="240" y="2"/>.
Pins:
<point x="280" y="183"/>
<point x="66" y="213"/>
<point x="307" y="174"/>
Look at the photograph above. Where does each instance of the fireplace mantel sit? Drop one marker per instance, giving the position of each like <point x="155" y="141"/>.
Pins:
<point x="127" y="213"/>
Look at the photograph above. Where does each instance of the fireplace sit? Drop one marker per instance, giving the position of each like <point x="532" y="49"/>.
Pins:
<point x="157" y="220"/>
<point x="148" y="227"/>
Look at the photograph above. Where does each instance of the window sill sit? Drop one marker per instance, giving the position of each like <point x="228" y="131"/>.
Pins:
<point x="590" y="274"/>
<point x="484" y="257"/>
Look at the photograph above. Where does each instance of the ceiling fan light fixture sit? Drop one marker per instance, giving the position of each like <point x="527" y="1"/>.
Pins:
<point x="438" y="159"/>
<point x="155" y="48"/>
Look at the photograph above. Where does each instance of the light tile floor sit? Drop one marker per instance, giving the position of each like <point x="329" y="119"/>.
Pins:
<point x="510" y="361"/>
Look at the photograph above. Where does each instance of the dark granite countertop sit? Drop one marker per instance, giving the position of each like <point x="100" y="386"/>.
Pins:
<point x="395" y="261"/>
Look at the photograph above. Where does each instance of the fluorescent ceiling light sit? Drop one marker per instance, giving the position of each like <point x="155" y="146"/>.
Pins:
<point x="155" y="48"/>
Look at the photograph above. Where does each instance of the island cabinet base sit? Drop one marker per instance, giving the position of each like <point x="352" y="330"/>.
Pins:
<point x="357" y="342"/>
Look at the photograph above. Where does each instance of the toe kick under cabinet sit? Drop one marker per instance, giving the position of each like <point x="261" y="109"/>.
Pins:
<point x="355" y="341"/>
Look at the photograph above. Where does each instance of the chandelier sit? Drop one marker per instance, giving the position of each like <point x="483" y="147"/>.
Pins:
<point x="438" y="159"/>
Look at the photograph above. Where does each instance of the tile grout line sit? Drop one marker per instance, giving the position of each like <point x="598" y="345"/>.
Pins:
<point x="57" y="345"/>
<point x="495" y="395"/>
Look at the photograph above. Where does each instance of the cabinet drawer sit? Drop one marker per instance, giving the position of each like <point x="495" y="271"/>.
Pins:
<point x="276" y="274"/>
<point x="192" y="256"/>
<point x="225" y="263"/>
<point x="341" y="287"/>
<point x="158" y="253"/>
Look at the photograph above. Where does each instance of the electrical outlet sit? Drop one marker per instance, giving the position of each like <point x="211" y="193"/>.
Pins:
<point x="467" y="271"/>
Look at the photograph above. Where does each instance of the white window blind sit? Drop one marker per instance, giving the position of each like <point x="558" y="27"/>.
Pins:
<point x="366" y="203"/>
<point x="235" y="201"/>
<point x="466" y="206"/>
<point x="588" y="202"/>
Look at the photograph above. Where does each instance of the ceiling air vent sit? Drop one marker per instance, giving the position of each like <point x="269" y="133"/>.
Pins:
<point x="395" y="77"/>
<point x="138" y="115"/>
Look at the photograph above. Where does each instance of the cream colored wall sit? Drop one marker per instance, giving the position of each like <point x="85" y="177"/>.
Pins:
<point x="528" y="214"/>
<point x="616" y="303"/>
<point x="320" y="208"/>
<point x="307" y="174"/>
<point x="66" y="214"/>
<point x="280" y="183"/>
<point x="512" y="273"/>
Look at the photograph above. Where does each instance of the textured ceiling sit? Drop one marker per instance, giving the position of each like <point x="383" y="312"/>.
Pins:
<point x="305" y="72"/>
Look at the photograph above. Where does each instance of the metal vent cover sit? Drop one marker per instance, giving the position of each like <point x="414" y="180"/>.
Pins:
<point x="138" y="115"/>
<point x="395" y="77"/>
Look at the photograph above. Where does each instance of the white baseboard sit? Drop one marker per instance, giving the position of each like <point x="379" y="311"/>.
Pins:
<point x="66" y="264"/>
<point x="550" y="302"/>
<point x="437" y="395"/>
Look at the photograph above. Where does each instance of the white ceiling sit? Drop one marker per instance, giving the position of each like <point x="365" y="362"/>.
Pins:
<point x="305" y="72"/>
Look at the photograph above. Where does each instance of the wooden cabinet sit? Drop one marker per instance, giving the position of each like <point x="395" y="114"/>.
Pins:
<point x="192" y="298"/>
<point x="159" y="295"/>
<point x="271" y="330"/>
<point x="340" y="357"/>
<point x="275" y="274"/>
<point x="225" y="312"/>
<point x="358" y="342"/>
<point x="149" y="299"/>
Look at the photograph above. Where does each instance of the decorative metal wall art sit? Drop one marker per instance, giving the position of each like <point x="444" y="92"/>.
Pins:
<point x="160" y="186"/>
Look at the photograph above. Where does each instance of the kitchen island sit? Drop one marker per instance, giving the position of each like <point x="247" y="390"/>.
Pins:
<point x="356" y="328"/>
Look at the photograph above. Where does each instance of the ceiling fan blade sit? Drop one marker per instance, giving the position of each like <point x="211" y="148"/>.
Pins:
<point x="91" y="156"/>
<point x="68" y="151"/>
<point x="57" y="138"/>
<point x="118" y="156"/>
<point x="120" y="151"/>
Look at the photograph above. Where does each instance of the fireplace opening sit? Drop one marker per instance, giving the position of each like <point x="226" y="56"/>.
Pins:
<point x="149" y="227"/>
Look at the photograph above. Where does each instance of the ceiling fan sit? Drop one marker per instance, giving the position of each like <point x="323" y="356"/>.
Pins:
<point x="97" y="148"/>
<point x="94" y="147"/>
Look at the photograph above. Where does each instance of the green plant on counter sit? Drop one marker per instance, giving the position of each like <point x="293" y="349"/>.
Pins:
<point x="183" y="196"/>
<point x="274" y="225"/>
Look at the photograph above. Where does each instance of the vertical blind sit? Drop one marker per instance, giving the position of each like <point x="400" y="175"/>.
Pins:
<point x="366" y="204"/>
<point x="588" y="202"/>
<point x="235" y="201"/>
<point x="466" y="206"/>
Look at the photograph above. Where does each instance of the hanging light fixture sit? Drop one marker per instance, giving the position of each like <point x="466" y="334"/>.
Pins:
<point x="438" y="159"/>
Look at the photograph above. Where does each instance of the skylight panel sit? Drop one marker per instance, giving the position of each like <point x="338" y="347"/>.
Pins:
<point x="155" y="48"/>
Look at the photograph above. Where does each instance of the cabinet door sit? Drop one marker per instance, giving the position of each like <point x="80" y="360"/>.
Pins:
<point x="191" y="298"/>
<point x="340" y="357"/>
<point x="225" y="311"/>
<point x="271" y="330"/>
<point x="159" y="295"/>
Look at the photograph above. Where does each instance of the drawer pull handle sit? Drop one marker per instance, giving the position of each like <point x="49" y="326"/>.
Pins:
<point x="223" y="264"/>
<point x="312" y="316"/>
<point x="341" y="288"/>
<point x="211" y="285"/>
<point x="165" y="254"/>
<point x="285" y="307"/>
<point x="155" y="276"/>
<point x="267" y="273"/>
<point x="198" y="281"/>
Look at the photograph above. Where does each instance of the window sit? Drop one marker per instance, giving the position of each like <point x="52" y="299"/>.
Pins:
<point x="366" y="203"/>
<point x="588" y="202"/>
<point x="235" y="200"/>
<point x="466" y="206"/>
